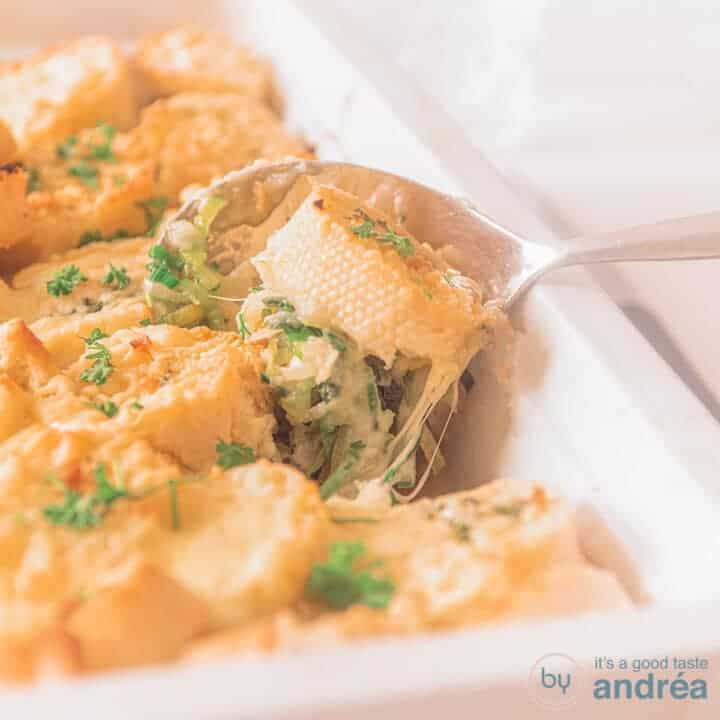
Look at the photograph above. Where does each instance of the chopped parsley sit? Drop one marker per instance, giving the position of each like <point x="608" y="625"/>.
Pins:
<point x="95" y="335"/>
<point x="241" y="326"/>
<point x="401" y="243"/>
<point x="83" y="169"/>
<point x="264" y="378"/>
<point x="339" y="584"/>
<point x="368" y="228"/>
<point x="104" y="151"/>
<point x="102" y="367"/>
<point x="34" y="184"/>
<point x="137" y="405"/>
<point x="119" y="180"/>
<point x="163" y="266"/>
<point x="365" y="229"/>
<point x="117" y="277"/>
<point x="81" y="512"/>
<point x="65" y="149"/>
<point x="65" y="281"/>
<point x="108" y="408"/>
<point x="154" y="208"/>
<point x="230" y="455"/>
<point x="86" y="173"/>
<point x="95" y="236"/>
<point x="337" y="477"/>
<point x="145" y="322"/>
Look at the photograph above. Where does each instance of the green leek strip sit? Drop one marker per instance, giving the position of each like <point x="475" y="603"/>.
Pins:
<point x="349" y="520"/>
<point x="196" y="263"/>
<point x="208" y="212"/>
<point x="186" y="316"/>
<point x="337" y="477"/>
<point x="199" y="295"/>
<point x="174" y="509"/>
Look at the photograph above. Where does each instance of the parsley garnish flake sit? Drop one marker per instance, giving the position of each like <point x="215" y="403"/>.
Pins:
<point x="338" y="583"/>
<point x="86" y="173"/>
<point x="108" y="408"/>
<point x="232" y="454"/>
<point x="117" y="277"/>
<point x="368" y="228"/>
<point x="80" y="512"/>
<point x="102" y="367"/>
<point x="65" y="149"/>
<point x="162" y="266"/>
<point x="65" y="280"/>
<point x="104" y="151"/>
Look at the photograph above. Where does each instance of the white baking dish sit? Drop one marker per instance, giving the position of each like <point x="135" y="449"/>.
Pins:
<point x="597" y="416"/>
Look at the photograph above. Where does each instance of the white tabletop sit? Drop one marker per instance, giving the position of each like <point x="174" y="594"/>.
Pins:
<point x="605" y="112"/>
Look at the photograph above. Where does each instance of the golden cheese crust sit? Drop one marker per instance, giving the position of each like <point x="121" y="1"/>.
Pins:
<point x="181" y="390"/>
<point x="15" y="227"/>
<point x="61" y="322"/>
<point x="185" y="140"/>
<point x="483" y="556"/>
<point x="65" y="210"/>
<point x="30" y="300"/>
<point x="197" y="137"/>
<point x="66" y="88"/>
<point x="8" y="146"/>
<point x="211" y="552"/>
<point x="196" y="387"/>
<point x="191" y="59"/>
<point x="136" y="526"/>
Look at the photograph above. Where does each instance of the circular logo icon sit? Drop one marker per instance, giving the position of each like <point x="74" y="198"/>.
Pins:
<point x="556" y="681"/>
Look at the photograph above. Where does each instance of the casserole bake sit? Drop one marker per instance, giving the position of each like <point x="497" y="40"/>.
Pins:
<point x="132" y="495"/>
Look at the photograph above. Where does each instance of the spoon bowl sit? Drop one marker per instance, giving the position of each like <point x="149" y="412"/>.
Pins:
<point x="503" y="264"/>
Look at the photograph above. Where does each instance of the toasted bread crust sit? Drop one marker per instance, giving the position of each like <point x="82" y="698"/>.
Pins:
<point x="191" y="59"/>
<point x="66" y="88"/>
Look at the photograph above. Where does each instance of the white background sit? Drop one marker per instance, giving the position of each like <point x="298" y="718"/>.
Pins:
<point x="607" y="113"/>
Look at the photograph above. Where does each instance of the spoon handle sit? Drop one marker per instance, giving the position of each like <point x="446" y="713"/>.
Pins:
<point x="689" y="238"/>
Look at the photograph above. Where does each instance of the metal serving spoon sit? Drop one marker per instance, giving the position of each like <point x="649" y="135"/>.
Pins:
<point x="502" y="263"/>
